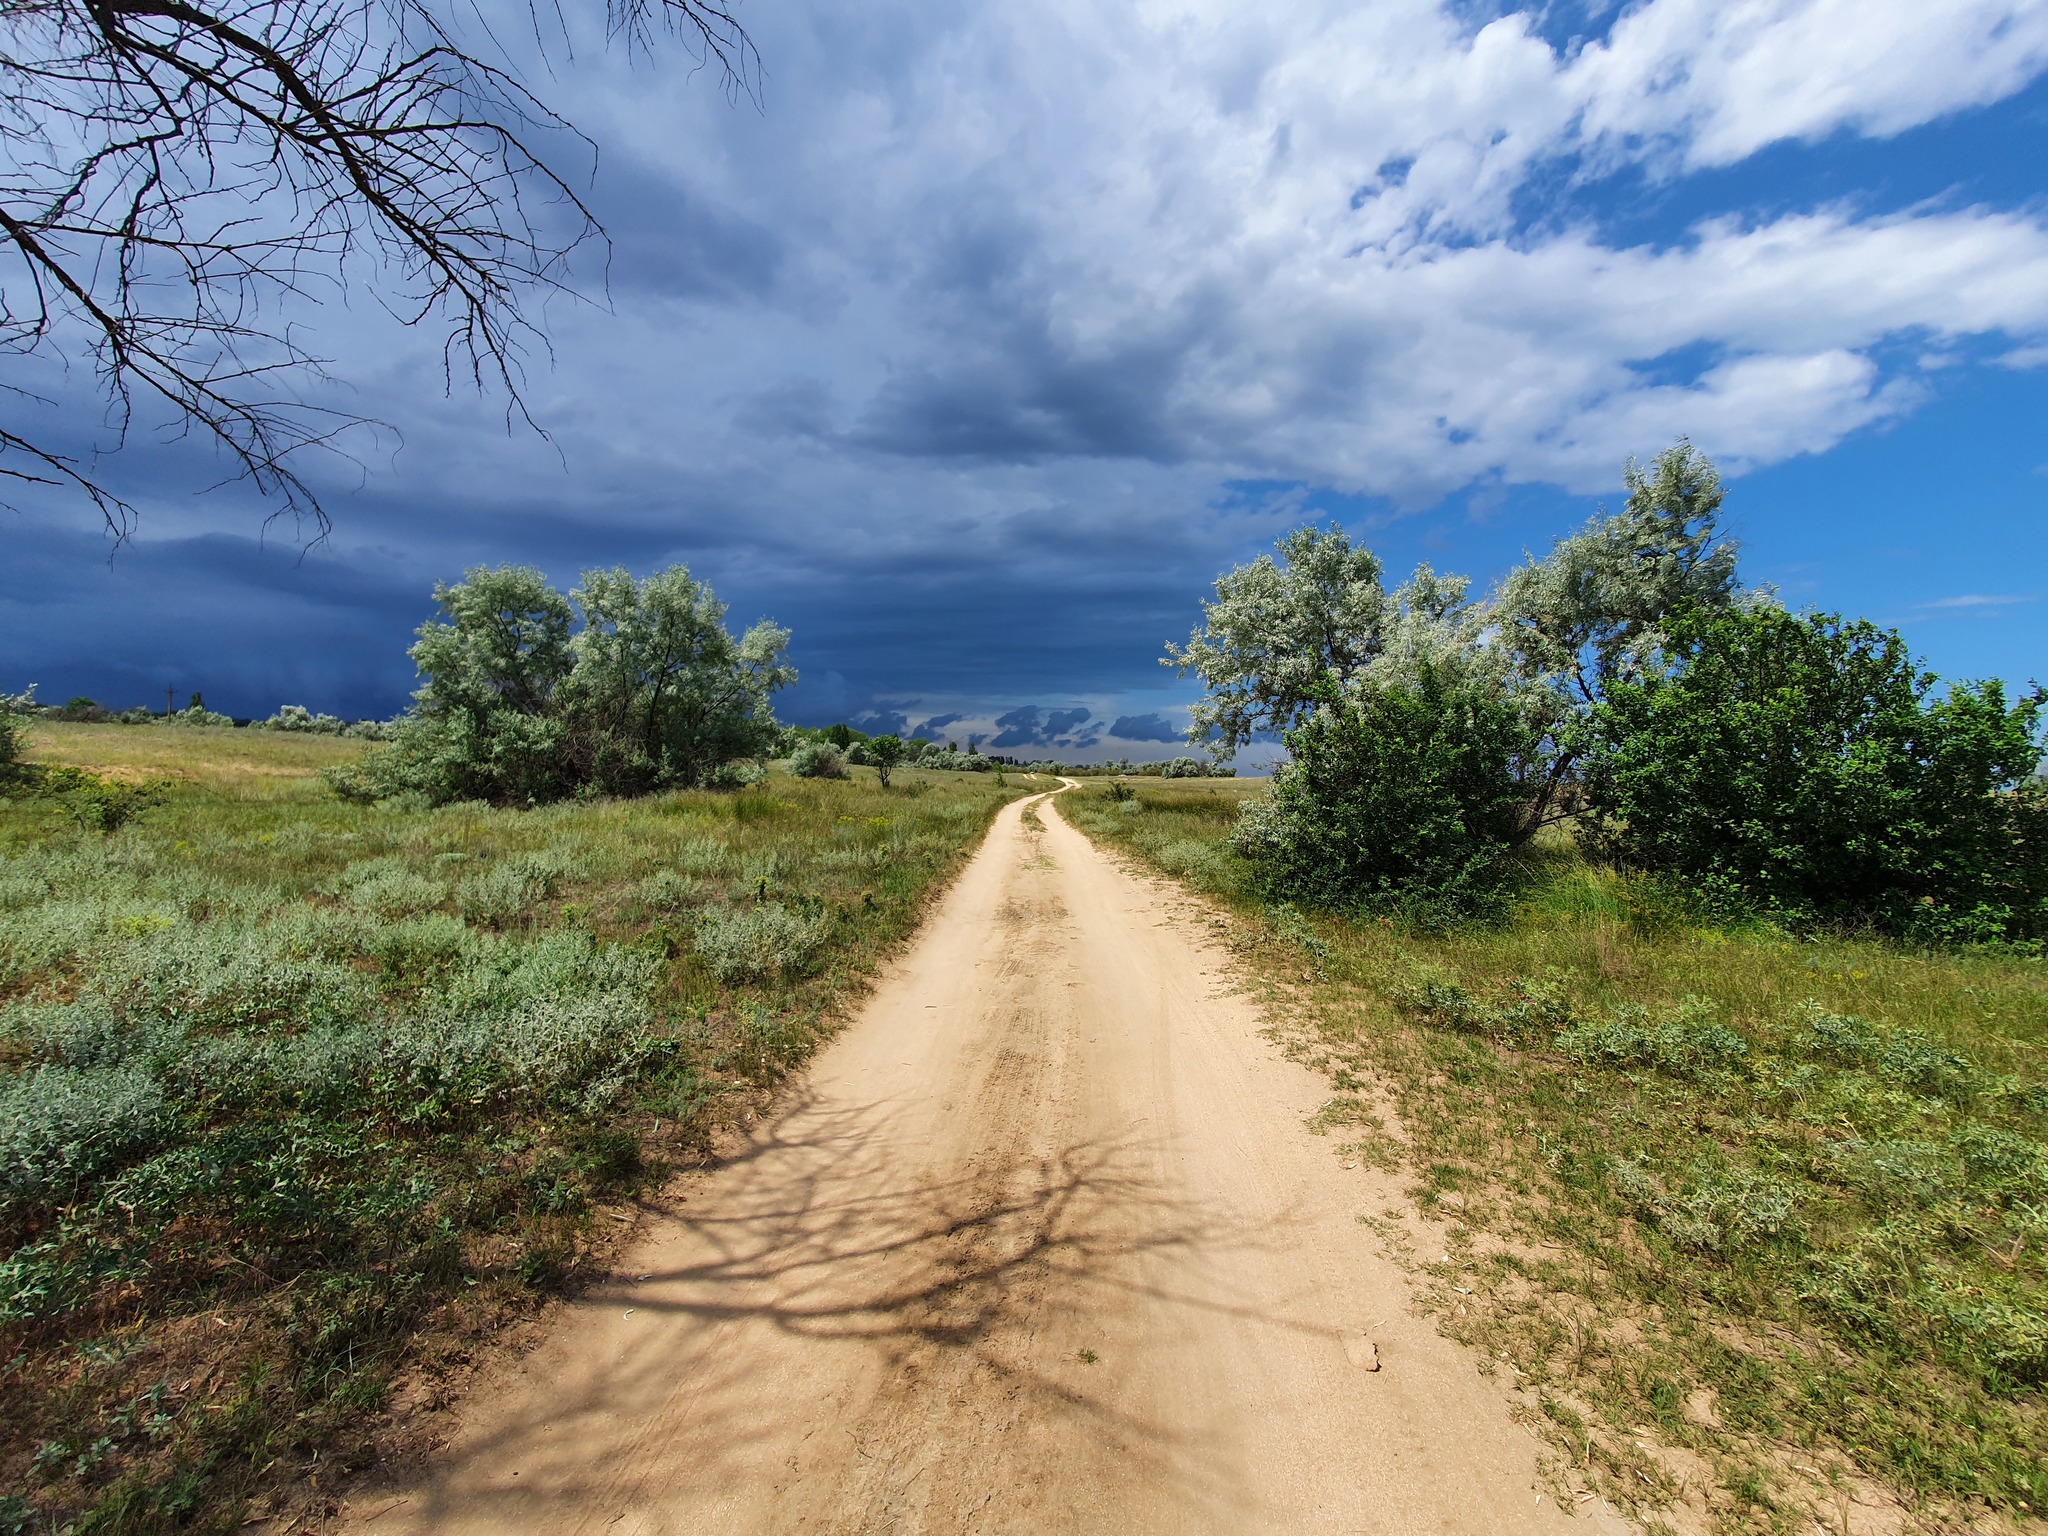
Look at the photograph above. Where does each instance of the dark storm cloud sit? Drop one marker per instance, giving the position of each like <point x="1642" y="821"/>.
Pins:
<point x="1025" y="407"/>
<point x="787" y="408"/>
<point x="668" y="240"/>
<point x="249" y="625"/>
<point x="1033" y="726"/>
<point x="1144" y="728"/>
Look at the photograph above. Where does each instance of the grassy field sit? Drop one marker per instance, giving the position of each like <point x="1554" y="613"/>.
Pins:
<point x="1758" y="1224"/>
<point x="301" y="1100"/>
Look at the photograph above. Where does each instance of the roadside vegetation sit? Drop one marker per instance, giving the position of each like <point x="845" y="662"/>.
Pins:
<point x="1688" y="955"/>
<point x="1628" y="688"/>
<point x="303" y="1098"/>
<point x="1756" y="1220"/>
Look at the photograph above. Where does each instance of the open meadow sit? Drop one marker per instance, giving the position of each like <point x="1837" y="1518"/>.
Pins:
<point x="303" y="1098"/>
<point x="1757" y="1223"/>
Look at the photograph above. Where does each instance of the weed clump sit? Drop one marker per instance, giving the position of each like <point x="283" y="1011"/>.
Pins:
<point x="769" y="942"/>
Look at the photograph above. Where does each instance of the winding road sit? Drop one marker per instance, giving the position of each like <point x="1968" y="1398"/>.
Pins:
<point x="1039" y="1243"/>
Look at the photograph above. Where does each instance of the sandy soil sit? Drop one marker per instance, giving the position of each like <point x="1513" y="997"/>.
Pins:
<point x="1038" y="1244"/>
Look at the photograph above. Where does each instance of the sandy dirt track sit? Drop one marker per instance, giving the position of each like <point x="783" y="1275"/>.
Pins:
<point x="1038" y="1244"/>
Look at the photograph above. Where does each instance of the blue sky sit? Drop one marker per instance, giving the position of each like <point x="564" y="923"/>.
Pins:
<point x="988" y="338"/>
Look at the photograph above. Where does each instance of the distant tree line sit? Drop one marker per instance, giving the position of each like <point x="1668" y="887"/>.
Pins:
<point x="828" y="751"/>
<point x="289" y="717"/>
<point x="1799" y="766"/>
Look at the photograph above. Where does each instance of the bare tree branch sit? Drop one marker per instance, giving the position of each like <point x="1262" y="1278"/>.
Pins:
<point x="173" y="175"/>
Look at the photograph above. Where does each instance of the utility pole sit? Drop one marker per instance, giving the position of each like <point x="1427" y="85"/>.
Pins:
<point x="170" y="702"/>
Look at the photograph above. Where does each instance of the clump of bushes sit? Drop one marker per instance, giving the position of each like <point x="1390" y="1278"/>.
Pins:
<point x="817" y="760"/>
<point x="1797" y="768"/>
<point x="508" y="888"/>
<point x="621" y="687"/>
<point x="196" y="713"/>
<point x="1397" y="799"/>
<point x="296" y="717"/>
<point x="1803" y="767"/>
<point x="953" y="760"/>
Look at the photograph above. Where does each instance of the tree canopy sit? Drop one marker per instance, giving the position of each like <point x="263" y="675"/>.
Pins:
<point x="1275" y="630"/>
<point x="1798" y="766"/>
<point x="519" y="706"/>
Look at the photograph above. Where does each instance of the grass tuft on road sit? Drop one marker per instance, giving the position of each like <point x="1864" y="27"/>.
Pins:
<point x="301" y="1101"/>
<point x="1759" y="1223"/>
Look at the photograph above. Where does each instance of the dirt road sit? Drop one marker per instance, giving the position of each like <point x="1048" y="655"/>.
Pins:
<point x="1039" y="1244"/>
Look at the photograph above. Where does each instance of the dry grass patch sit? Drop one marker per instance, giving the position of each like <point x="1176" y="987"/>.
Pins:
<point x="229" y="762"/>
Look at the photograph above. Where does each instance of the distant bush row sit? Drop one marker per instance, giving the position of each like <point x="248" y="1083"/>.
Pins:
<point x="289" y="717"/>
<point x="1797" y="767"/>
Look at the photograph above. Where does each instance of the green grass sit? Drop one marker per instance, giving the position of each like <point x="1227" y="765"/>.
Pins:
<point x="299" y="1097"/>
<point x="1758" y="1222"/>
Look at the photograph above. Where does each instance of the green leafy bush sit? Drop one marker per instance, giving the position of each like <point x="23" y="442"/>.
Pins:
<point x="59" y="1124"/>
<point x="391" y="889"/>
<point x="1689" y="1043"/>
<point x="196" y="713"/>
<point x="1802" y="766"/>
<point x="296" y="717"/>
<point x="94" y="803"/>
<point x="952" y="760"/>
<point x="1398" y="799"/>
<point x="506" y="889"/>
<point x="1713" y="1208"/>
<point x="817" y="760"/>
<point x="13" y="708"/>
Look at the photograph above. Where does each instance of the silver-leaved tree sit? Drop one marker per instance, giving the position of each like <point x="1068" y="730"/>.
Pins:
<point x="1491" y="695"/>
<point x="619" y="688"/>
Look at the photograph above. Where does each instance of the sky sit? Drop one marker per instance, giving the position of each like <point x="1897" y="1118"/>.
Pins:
<point x="983" y="337"/>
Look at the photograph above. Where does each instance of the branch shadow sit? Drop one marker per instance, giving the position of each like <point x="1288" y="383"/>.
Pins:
<point x="895" y="1291"/>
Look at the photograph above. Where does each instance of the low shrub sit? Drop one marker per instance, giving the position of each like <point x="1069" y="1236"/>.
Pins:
<point x="296" y="717"/>
<point x="1398" y="799"/>
<point x="817" y="760"/>
<point x="768" y="942"/>
<point x="390" y="889"/>
<point x="60" y="1124"/>
<point x="506" y="889"/>
<point x="94" y="803"/>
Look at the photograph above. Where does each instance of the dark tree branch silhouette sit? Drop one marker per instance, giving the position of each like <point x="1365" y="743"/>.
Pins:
<point x="173" y="176"/>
